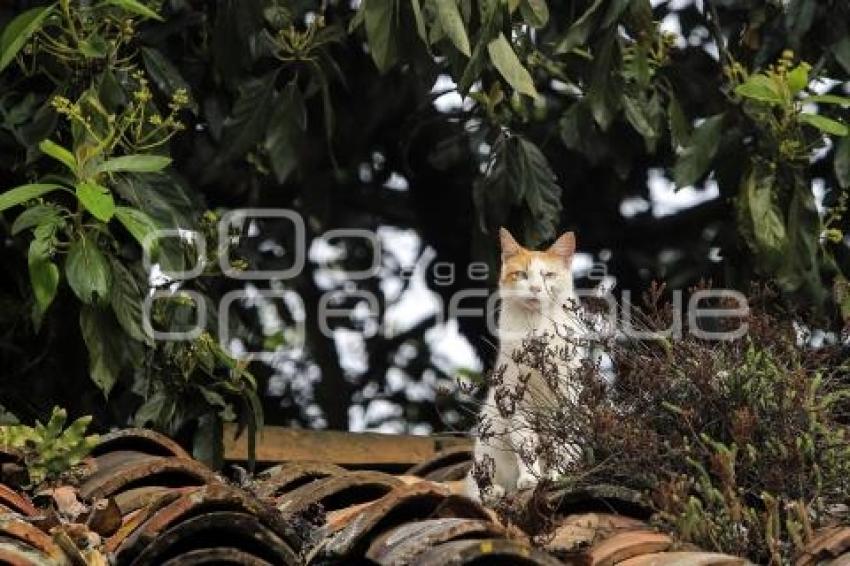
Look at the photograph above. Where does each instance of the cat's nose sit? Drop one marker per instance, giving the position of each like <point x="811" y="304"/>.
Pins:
<point x="535" y="289"/>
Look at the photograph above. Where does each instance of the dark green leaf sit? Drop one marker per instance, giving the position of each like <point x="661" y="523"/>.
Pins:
<point x="141" y="226"/>
<point x="420" y="20"/>
<point x="97" y="200"/>
<point x="841" y="162"/>
<point x="59" y="153"/>
<point x="637" y="115"/>
<point x="680" y="128"/>
<point x="534" y="12"/>
<point x="286" y="127"/>
<point x="40" y="214"/>
<point x="381" y="32"/>
<point x="579" y="32"/>
<point x="824" y="124"/>
<point x="165" y="75"/>
<point x="694" y="162"/>
<point x="44" y="275"/>
<point x="841" y="50"/>
<point x="126" y="299"/>
<point x="18" y="31"/>
<point x="533" y="183"/>
<point x="509" y="66"/>
<point x="102" y="337"/>
<point x="24" y="193"/>
<point x="88" y="271"/>
<point x="94" y="47"/>
<point x="135" y="7"/>
<point x="452" y="24"/>
<point x="134" y="164"/>
<point x="604" y="95"/>
<point x="249" y="119"/>
<point x="761" y="220"/>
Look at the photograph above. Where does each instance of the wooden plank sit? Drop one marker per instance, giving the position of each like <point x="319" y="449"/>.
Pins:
<point x="280" y="444"/>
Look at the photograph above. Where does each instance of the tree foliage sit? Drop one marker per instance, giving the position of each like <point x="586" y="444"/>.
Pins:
<point x="122" y="117"/>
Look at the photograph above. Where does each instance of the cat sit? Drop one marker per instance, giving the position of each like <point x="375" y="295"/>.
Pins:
<point x="536" y="291"/>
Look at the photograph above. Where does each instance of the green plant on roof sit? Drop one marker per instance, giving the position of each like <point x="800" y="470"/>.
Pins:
<point x="49" y="450"/>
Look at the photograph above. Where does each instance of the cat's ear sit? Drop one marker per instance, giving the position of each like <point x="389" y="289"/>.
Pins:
<point x="510" y="247"/>
<point x="564" y="247"/>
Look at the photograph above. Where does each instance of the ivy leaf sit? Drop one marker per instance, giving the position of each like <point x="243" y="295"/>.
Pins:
<point x="134" y="164"/>
<point x="102" y="337"/>
<point x="452" y="23"/>
<point x="380" y="20"/>
<point x="141" y="226"/>
<point x="59" y="153"/>
<point x="509" y="66"/>
<point x="97" y="200"/>
<point x="126" y="300"/>
<point x="87" y="270"/>
<point x="35" y="216"/>
<point x="824" y="124"/>
<point x="135" y="7"/>
<point x="24" y="193"/>
<point x="18" y="31"/>
<point x="693" y="163"/>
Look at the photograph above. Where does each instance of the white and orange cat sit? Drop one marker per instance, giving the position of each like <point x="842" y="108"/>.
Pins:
<point x="537" y="298"/>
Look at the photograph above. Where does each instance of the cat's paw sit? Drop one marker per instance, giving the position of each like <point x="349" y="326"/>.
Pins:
<point x="526" y="481"/>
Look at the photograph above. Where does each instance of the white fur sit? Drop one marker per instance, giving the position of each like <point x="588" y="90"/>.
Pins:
<point x="517" y="321"/>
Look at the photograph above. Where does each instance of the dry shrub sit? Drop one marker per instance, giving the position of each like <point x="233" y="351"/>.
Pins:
<point x="739" y="446"/>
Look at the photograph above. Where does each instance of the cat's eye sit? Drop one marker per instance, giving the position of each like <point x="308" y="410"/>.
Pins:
<point x="550" y="274"/>
<point x="519" y="275"/>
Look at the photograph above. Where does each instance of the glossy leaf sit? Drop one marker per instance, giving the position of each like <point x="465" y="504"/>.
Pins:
<point x="578" y="33"/>
<point x="761" y="88"/>
<point x="24" y="193"/>
<point x="380" y="20"/>
<point x="97" y="200"/>
<point x="134" y="164"/>
<point x="165" y="75"/>
<point x="694" y="162"/>
<point x="141" y="226"/>
<point x="44" y="274"/>
<point x="59" y="153"/>
<point x="102" y="337"/>
<point x="18" y="31"/>
<point x="842" y="101"/>
<point x="507" y="63"/>
<point x="40" y="214"/>
<point x="534" y="12"/>
<point x="824" y="124"/>
<point x="126" y="300"/>
<point x="452" y="24"/>
<point x="841" y="162"/>
<point x="135" y="7"/>
<point x="88" y="271"/>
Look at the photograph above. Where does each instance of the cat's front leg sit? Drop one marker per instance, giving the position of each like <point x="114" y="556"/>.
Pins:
<point x="528" y="463"/>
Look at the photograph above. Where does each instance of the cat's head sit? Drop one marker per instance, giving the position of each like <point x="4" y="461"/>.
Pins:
<point x="536" y="280"/>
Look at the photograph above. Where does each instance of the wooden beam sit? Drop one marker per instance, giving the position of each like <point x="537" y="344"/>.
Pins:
<point x="278" y="444"/>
